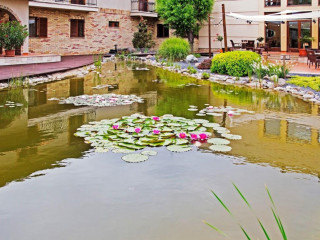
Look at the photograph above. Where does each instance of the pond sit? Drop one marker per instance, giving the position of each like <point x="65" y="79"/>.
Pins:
<point x="54" y="186"/>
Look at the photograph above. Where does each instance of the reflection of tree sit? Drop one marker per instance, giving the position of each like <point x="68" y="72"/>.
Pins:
<point x="7" y="114"/>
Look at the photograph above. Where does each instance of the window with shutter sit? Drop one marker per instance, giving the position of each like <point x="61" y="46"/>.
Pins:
<point x="77" y="28"/>
<point x="114" y="24"/>
<point x="38" y="27"/>
<point x="162" y="31"/>
<point x="43" y="29"/>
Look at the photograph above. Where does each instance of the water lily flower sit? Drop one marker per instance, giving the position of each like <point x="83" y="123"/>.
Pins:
<point x="194" y="136"/>
<point x="156" y="118"/>
<point x="230" y="113"/>
<point x="203" y="136"/>
<point x="182" y="135"/>
<point x="137" y="130"/>
<point x="156" y="131"/>
<point x="115" y="127"/>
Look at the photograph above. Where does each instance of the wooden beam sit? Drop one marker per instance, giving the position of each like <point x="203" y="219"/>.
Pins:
<point x="209" y="26"/>
<point x="224" y="29"/>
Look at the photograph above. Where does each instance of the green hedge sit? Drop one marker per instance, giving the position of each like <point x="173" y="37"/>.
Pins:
<point x="311" y="82"/>
<point x="174" y="49"/>
<point x="236" y="63"/>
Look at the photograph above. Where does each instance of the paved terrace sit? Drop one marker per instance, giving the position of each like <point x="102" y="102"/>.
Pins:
<point x="67" y="63"/>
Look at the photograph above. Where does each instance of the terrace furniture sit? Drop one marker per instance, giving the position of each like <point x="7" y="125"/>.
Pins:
<point x="258" y="50"/>
<point x="309" y="52"/>
<point x="250" y="45"/>
<point x="244" y="44"/>
<point x="314" y="59"/>
<point x="235" y="45"/>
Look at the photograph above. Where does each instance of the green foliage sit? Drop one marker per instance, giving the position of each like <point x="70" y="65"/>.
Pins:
<point x="270" y="69"/>
<point x="185" y="16"/>
<point x="311" y="82"/>
<point x="273" y="209"/>
<point x="197" y="55"/>
<point x="236" y="63"/>
<point x="192" y="70"/>
<point x="142" y="38"/>
<point x="12" y="34"/>
<point x="205" y="75"/>
<point x="174" y="49"/>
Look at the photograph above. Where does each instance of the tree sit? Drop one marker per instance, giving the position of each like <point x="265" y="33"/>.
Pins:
<point x="185" y="16"/>
<point x="142" y="38"/>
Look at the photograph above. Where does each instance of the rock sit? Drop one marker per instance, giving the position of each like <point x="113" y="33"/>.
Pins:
<point x="281" y="82"/>
<point x="197" y="65"/>
<point x="191" y="59"/>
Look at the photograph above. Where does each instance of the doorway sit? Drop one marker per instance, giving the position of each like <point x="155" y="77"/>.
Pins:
<point x="296" y="30"/>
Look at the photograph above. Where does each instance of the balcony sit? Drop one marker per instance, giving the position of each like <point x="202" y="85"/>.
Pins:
<point x="76" y="5"/>
<point x="143" y="8"/>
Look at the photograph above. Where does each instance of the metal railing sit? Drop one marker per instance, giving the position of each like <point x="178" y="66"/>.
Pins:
<point x="142" y="6"/>
<point x="76" y="2"/>
<point x="272" y="3"/>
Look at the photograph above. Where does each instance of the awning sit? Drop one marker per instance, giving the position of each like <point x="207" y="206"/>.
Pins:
<point x="278" y="17"/>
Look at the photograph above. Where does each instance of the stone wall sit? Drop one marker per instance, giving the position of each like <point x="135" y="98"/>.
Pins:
<point x="99" y="37"/>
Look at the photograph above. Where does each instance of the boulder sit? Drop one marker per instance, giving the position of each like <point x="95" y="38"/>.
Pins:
<point x="191" y="59"/>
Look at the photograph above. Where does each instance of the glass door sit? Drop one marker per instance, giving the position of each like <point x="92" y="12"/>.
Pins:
<point x="273" y="35"/>
<point x="296" y="30"/>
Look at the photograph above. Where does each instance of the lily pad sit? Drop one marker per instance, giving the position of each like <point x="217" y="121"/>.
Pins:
<point x="179" y="148"/>
<point x="210" y="125"/>
<point x="231" y="136"/>
<point x="220" y="148"/>
<point x="149" y="153"/>
<point x="135" y="158"/>
<point x="218" y="141"/>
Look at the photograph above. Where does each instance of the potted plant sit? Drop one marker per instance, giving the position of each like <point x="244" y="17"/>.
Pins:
<point x="220" y="39"/>
<point x="305" y="41"/>
<point x="143" y="38"/>
<point x="12" y="36"/>
<point x="260" y="40"/>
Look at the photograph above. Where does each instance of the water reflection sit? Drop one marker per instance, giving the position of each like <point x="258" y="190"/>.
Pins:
<point x="40" y="134"/>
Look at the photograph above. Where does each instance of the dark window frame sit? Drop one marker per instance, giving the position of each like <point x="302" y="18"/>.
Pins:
<point x="303" y="4"/>
<point x="114" y="24"/>
<point x="75" y="28"/>
<point x="163" y="31"/>
<point x="41" y="27"/>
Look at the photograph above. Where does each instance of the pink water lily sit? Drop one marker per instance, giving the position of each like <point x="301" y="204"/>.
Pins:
<point x="156" y="118"/>
<point x="230" y="113"/>
<point x="137" y="130"/>
<point x="156" y="131"/>
<point x="115" y="127"/>
<point x="194" y="136"/>
<point x="203" y="136"/>
<point x="182" y="135"/>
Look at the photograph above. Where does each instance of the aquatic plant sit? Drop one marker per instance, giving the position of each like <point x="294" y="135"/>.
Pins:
<point x="218" y="111"/>
<point x="205" y="75"/>
<point x="192" y="70"/>
<point x="273" y="209"/>
<point x="136" y="132"/>
<point x="104" y="100"/>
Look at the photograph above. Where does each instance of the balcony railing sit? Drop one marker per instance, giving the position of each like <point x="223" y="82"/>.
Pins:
<point x="76" y="2"/>
<point x="142" y="6"/>
<point x="272" y="3"/>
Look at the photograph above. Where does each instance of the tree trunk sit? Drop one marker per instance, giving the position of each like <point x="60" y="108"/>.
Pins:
<point x="191" y="40"/>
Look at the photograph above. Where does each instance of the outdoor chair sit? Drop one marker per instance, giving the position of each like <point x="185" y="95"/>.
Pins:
<point x="309" y="52"/>
<point x="314" y="59"/>
<point x="266" y="47"/>
<point x="250" y="45"/>
<point x="235" y="45"/>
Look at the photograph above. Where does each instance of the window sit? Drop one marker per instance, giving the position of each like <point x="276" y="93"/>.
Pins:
<point x="76" y="28"/>
<point x="38" y="27"/>
<point x="81" y="2"/>
<point x="113" y="24"/>
<point x="272" y="3"/>
<point x="163" y="31"/>
<point x="299" y="2"/>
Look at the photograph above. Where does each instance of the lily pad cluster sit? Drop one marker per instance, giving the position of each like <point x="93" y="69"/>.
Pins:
<point x="136" y="132"/>
<point x="102" y="100"/>
<point x="218" y="111"/>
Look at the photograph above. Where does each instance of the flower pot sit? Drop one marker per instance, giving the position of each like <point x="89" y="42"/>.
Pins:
<point x="302" y="52"/>
<point x="221" y="51"/>
<point x="10" y="53"/>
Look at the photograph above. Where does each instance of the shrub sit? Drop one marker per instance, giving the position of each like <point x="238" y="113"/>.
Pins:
<point x="142" y="38"/>
<point x="311" y="82"/>
<point x="205" y="75"/>
<point x="192" y="70"/>
<point x="235" y="63"/>
<point x="205" y="64"/>
<point x="174" y="49"/>
<point x="12" y="34"/>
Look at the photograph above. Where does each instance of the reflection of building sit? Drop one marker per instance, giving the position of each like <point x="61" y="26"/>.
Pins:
<point x="81" y="26"/>
<point x="282" y="36"/>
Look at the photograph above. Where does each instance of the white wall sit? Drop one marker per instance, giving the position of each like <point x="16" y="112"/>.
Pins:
<point x="20" y="8"/>
<point x="237" y="30"/>
<point x="115" y="4"/>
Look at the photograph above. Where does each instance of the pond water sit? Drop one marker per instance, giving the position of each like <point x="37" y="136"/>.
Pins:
<point x="53" y="186"/>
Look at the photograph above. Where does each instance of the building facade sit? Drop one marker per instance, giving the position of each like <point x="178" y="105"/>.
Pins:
<point x="280" y="36"/>
<point x="75" y="27"/>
